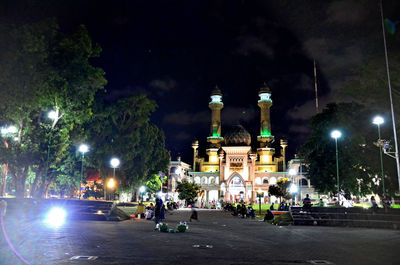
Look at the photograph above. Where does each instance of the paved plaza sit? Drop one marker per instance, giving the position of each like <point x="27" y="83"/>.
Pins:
<point x="218" y="238"/>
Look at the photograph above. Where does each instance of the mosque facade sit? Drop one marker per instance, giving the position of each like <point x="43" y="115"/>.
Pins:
<point x="233" y="170"/>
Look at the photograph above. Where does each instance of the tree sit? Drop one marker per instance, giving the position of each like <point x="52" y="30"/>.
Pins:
<point x="123" y="129"/>
<point x="187" y="191"/>
<point x="280" y="189"/>
<point x="358" y="156"/>
<point x="43" y="69"/>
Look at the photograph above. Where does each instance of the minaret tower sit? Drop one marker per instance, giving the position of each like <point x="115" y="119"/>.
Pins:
<point x="265" y="104"/>
<point x="265" y="151"/>
<point x="215" y="105"/>
<point x="195" y="145"/>
<point x="284" y="144"/>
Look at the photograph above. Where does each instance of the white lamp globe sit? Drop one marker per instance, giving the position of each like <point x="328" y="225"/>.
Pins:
<point x="83" y="148"/>
<point x="114" y="162"/>
<point x="336" y="134"/>
<point x="378" y="120"/>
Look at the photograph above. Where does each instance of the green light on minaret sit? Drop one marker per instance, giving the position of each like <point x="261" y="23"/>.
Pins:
<point x="265" y="133"/>
<point x="215" y="134"/>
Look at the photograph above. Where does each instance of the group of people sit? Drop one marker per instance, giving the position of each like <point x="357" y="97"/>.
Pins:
<point x="241" y="210"/>
<point x="156" y="212"/>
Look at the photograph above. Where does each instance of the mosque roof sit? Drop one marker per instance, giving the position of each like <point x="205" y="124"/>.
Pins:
<point x="237" y="136"/>
<point x="264" y="89"/>
<point x="216" y="91"/>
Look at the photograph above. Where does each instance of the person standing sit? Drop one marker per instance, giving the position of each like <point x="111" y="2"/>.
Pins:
<point x="157" y="212"/>
<point x="194" y="214"/>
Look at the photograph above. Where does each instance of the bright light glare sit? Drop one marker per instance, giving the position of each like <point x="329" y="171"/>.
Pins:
<point x="56" y="217"/>
<point x="115" y="162"/>
<point x="83" y="148"/>
<point x="293" y="188"/>
<point x="378" y="120"/>
<point x="142" y="189"/>
<point x="292" y="172"/>
<point x="52" y="115"/>
<point x="111" y="183"/>
<point x="336" y="134"/>
<point x="12" y="129"/>
<point x="178" y="171"/>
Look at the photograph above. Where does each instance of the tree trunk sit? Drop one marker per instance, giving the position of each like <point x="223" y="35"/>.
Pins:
<point x="19" y="186"/>
<point x="35" y="186"/>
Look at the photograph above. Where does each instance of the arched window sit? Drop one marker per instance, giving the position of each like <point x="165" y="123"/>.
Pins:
<point x="258" y="181"/>
<point x="265" y="181"/>
<point x="197" y="180"/>
<point x="272" y="180"/>
<point x="204" y="180"/>
<point x="172" y="170"/>
<point x="303" y="182"/>
<point x="212" y="180"/>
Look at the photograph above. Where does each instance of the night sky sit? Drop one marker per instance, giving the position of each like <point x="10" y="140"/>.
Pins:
<point x="178" y="51"/>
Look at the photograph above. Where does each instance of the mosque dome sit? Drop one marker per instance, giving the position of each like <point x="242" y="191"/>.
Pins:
<point x="237" y="135"/>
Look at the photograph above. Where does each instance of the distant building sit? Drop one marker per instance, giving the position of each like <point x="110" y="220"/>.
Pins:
<point x="232" y="170"/>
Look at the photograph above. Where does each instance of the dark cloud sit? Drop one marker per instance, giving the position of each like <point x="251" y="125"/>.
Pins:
<point x="249" y="44"/>
<point x="185" y="118"/>
<point x="346" y="12"/>
<point x="166" y="84"/>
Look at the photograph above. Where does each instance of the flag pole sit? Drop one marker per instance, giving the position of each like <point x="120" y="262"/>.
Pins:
<point x="391" y="99"/>
<point x="316" y="87"/>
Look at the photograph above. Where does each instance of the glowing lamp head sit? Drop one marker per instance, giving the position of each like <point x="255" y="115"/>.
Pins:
<point x="83" y="148"/>
<point x="378" y="120"/>
<point x="115" y="162"/>
<point x="8" y="129"/>
<point x="55" y="217"/>
<point x="336" y="134"/>
<point x="292" y="172"/>
<point x="293" y="188"/>
<point x="52" y="115"/>
<point x="111" y="183"/>
<point x="142" y="189"/>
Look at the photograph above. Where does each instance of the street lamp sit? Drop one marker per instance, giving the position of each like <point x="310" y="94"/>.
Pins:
<point x="292" y="173"/>
<point x="83" y="148"/>
<point x="260" y="195"/>
<point x="114" y="164"/>
<point x="378" y="120"/>
<point x="53" y="115"/>
<point x="337" y="134"/>
<point x="111" y="185"/>
<point x="142" y="190"/>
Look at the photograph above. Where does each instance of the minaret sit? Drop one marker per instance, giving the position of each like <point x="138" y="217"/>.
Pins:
<point x="215" y="105"/>
<point x="265" y="103"/>
<point x="195" y="145"/>
<point x="284" y="144"/>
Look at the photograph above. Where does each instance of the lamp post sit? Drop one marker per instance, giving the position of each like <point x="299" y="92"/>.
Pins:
<point x="83" y="148"/>
<point x="378" y="120"/>
<point x="142" y="190"/>
<point x="292" y="173"/>
<point x="111" y="185"/>
<point x="337" y="134"/>
<point x="52" y="115"/>
<point x="114" y="164"/>
<point x="260" y="195"/>
<point x="293" y="189"/>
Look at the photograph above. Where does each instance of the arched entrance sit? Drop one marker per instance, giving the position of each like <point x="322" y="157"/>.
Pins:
<point x="236" y="189"/>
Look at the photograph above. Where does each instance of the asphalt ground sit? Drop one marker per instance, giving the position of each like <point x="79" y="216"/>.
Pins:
<point x="217" y="238"/>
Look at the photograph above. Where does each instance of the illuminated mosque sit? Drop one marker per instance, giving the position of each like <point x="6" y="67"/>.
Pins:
<point x="232" y="170"/>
